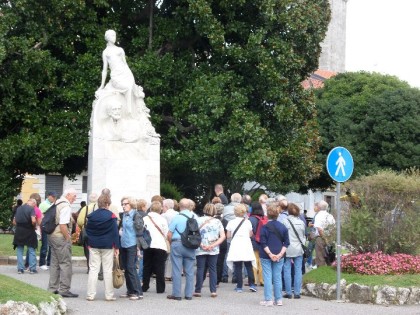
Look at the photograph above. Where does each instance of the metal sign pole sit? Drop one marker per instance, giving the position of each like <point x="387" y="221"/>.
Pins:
<point x="338" y="251"/>
<point x="340" y="166"/>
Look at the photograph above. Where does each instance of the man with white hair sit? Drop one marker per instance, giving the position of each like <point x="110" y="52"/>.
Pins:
<point x="60" y="241"/>
<point x="168" y="213"/>
<point x="228" y="211"/>
<point x="182" y="258"/>
<point x="321" y="221"/>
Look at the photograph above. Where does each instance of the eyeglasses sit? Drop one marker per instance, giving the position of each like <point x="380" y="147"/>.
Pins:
<point x="124" y="204"/>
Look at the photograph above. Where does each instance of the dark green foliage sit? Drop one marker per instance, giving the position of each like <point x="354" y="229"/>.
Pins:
<point x="170" y="191"/>
<point x="376" y="117"/>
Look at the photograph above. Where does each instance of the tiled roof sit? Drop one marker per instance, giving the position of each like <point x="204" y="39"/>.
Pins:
<point x="316" y="79"/>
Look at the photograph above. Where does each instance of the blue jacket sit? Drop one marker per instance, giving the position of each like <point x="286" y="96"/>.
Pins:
<point x="270" y="239"/>
<point x="102" y="229"/>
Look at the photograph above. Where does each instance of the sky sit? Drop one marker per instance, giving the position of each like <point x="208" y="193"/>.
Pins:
<point x="384" y="36"/>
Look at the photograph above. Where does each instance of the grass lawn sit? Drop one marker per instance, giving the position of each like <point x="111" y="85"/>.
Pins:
<point x="328" y="274"/>
<point x="15" y="290"/>
<point x="6" y="247"/>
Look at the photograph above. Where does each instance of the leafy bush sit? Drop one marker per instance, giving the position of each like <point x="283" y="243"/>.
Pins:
<point x="380" y="264"/>
<point x="387" y="217"/>
<point x="169" y="190"/>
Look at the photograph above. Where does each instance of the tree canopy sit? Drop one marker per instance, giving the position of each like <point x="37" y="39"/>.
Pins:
<point x="222" y="79"/>
<point x="375" y="116"/>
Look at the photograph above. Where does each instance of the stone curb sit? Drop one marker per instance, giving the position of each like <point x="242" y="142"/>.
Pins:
<point x="12" y="260"/>
<point x="363" y="294"/>
<point x="45" y="308"/>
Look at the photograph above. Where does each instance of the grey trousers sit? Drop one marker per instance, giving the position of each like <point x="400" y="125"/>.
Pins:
<point x="60" y="268"/>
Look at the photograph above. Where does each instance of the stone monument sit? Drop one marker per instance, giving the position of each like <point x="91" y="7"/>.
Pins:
<point x="124" y="149"/>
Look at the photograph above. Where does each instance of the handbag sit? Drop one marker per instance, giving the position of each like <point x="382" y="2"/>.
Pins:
<point x="117" y="274"/>
<point x="168" y="246"/>
<point x="82" y="234"/>
<point x="306" y="252"/>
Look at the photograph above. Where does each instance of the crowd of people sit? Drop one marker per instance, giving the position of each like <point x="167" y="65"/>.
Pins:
<point x="258" y="241"/>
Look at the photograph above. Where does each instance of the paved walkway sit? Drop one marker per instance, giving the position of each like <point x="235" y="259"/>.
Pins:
<point x="227" y="302"/>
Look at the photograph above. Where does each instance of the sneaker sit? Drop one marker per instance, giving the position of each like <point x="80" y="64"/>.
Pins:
<point x="297" y="296"/>
<point x="196" y="294"/>
<point x="33" y="272"/>
<point x="213" y="295"/>
<point x="124" y="295"/>
<point x="314" y="266"/>
<point x="20" y="271"/>
<point x="44" y="267"/>
<point x="238" y="290"/>
<point x="279" y="303"/>
<point x="89" y="298"/>
<point x="266" y="303"/>
<point x="111" y="299"/>
<point x="134" y="298"/>
<point x="287" y="296"/>
<point x="252" y="288"/>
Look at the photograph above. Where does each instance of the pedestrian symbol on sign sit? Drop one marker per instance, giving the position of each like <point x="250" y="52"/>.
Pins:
<point x="341" y="163"/>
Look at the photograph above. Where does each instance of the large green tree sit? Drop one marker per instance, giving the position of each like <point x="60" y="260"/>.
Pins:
<point x="375" y="116"/>
<point x="222" y="80"/>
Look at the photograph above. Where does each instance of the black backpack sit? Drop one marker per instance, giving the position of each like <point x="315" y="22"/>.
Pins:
<point x="191" y="237"/>
<point x="48" y="223"/>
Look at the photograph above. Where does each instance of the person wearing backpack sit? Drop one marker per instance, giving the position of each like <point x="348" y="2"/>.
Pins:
<point x="258" y="220"/>
<point x="45" y="251"/>
<point x="182" y="257"/>
<point x="60" y="241"/>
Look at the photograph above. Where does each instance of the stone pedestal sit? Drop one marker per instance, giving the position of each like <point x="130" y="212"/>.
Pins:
<point x="124" y="151"/>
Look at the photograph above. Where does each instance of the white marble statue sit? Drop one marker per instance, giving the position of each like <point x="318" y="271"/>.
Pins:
<point x="120" y="111"/>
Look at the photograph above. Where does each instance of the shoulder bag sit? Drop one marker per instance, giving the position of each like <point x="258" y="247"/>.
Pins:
<point x="237" y="228"/>
<point x="306" y="252"/>
<point x="168" y="246"/>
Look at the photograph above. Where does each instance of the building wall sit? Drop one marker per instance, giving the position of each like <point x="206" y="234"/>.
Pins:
<point x="36" y="184"/>
<point x="334" y="45"/>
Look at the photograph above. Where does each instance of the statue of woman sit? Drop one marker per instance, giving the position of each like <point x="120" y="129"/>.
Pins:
<point x="121" y="89"/>
<point x="122" y="78"/>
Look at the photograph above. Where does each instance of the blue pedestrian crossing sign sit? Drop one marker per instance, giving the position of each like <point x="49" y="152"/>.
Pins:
<point x="340" y="164"/>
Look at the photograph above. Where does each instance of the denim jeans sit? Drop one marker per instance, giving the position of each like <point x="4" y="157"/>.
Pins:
<point x="297" y="261"/>
<point x="272" y="278"/>
<point x="211" y="262"/>
<point x="45" y="251"/>
<point x="31" y="255"/>
<point x="140" y="261"/>
<point x="311" y="247"/>
<point x="128" y="258"/>
<point x="238" y="273"/>
<point x="182" y="258"/>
